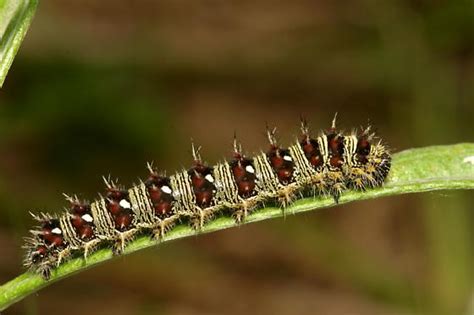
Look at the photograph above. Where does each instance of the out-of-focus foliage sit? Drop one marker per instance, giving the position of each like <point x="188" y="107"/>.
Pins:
<point x="102" y="87"/>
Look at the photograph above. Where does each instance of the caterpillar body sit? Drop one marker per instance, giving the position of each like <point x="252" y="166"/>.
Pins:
<point x="326" y="165"/>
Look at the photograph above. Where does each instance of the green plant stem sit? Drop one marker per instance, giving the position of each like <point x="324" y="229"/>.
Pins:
<point x="15" y="18"/>
<point x="416" y="170"/>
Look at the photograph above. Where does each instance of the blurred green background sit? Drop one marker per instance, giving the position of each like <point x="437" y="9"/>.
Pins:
<point x="101" y="87"/>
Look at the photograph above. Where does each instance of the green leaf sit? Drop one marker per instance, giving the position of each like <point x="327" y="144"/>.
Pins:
<point x="416" y="170"/>
<point x="15" y="18"/>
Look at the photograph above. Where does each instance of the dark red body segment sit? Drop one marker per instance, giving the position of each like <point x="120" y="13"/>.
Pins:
<point x="114" y="207"/>
<point x="311" y="151"/>
<point x="83" y="228"/>
<point x="335" y="149"/>
<point x="244" y="178"/>
<point x="363" y="149"/>
<point x="122" y="216"/>
<point x="86" y="232"/>
<point x="160" y="194"/>
<point x="52" y="239"/>
<point x="282" y="164"/>
<point x="202" y="187"/>
<point x="39" y="254"/>
<point x="123" y="220"/>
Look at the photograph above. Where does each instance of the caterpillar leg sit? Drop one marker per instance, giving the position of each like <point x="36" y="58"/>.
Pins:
<point x="287" y="195"/>
<point x="121" y="240"/>
<point x="63" y="255"/>
<point x="159" y="231"/>
<point x="45" y="271"/>
<point x="245" y="207"/>
<point x="89" y="247"/>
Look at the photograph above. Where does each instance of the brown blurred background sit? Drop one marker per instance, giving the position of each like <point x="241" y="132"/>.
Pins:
<point x="102" y="87"/>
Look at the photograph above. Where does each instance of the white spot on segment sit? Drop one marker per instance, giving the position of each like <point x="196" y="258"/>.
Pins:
<point x="56" y="231"/>
<point x="209" y="178"/>
<point x="166" y="190"/>
<point x="469" y="159"/>
<point x="287" y="158"/>
<point x="125" y="204"/>
<point x="87" y="217"/>
<point x="250" y="169"/>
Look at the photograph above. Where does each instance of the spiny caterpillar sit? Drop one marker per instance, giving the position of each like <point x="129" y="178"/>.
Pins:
<point x="326" y="165"/>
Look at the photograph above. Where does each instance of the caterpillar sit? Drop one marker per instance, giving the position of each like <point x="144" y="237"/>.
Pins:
<point x="328" y="164"/>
